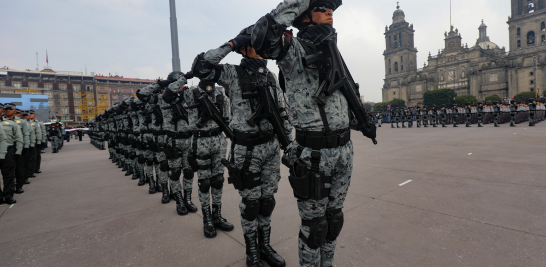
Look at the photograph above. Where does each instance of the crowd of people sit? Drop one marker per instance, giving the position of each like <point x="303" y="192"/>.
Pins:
<point x="22" y="140"/>
<point x="513" y="112"/>
<point x="174" y="131"/>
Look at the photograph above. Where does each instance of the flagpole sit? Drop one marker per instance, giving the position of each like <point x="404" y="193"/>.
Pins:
<point x="174" y="36"/>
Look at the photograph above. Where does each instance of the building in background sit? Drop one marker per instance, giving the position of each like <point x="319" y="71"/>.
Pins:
<point x="73" y="96"/>
<point x="482" y="70"/>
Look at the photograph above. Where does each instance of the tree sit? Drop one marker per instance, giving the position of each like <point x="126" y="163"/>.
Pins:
<point x="493" y="98"/>
<point x="524" y="96"/>
<point x="381" y="106"/>
<point x="463" y="99"/>
<point x="367" y="106"/>
<point x="397" y="103"/>
<point x="439" y="97"/>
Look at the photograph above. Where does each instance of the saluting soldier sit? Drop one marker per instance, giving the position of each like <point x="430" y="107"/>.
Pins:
<point x="15" y="149"/>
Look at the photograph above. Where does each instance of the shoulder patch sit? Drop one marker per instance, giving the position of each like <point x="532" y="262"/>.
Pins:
<point x="18" y="121"/>
<point x="32" y="124"/>
<point x="6" y="122"/>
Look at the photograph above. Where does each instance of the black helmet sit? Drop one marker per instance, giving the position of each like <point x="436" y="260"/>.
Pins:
<point x="334" y="4"/>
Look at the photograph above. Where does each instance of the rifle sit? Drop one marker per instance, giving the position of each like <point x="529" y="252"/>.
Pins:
<point x="179" y="112"/>
<point x="209" y="112"/>
<point x="337" y="78"/>
<point x="267" y="109"/>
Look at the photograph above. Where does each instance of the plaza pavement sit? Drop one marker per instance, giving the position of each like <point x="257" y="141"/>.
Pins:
<point x="476" y="198"/>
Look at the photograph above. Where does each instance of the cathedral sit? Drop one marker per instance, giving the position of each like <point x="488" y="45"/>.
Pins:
<point x="482" y="70"/>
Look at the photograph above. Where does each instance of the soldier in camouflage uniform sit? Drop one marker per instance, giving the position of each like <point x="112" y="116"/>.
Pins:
<point x="178" y="135"/>
<point x="135" y="138"/>
<point x="21" y="169"/>
<point x="55" y="136"/>
<point x="322" y="147"/>
<point x="143" y="121"/>
<point x="255" y="149"/>
<point x="209" y="147"/>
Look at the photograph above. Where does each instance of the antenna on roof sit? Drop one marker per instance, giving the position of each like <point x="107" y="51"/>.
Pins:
<point x="37" y="63"/>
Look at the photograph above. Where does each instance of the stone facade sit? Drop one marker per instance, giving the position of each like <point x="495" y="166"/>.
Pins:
<point x="482" y="70"/>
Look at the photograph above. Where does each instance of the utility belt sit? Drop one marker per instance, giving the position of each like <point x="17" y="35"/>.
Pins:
<point x="308" y="183"/>
<point x="252" y="139"/>
<point x="179" y="135"/>
<point x="319" y="140"/>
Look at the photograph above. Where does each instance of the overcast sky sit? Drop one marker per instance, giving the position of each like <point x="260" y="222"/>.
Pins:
<point x="132" y="37"/>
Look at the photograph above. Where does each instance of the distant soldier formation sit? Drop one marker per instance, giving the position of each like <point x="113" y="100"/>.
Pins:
<point x="532" y="112"/>
<point x="22" y="140"/>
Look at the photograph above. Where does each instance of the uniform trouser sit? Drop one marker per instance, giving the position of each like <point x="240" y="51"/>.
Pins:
<point x="180" y="160"/>
<point x="338" y="163"/>
<point x="80" y="137"/>
<point x="32" y="160"/>
<point x="8" y="174"/>
<point x="149" y="156"/>
<point x="21" y="168"/>
<point x="160" y="156"/>
<point x="266" y="161"/>
<point x="214" y="147"/>
<point x="38" y="157"/>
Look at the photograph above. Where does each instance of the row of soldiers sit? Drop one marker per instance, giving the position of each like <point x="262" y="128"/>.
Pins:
<point x="514" y="113"/>
<point x="22" y="140"/>
<point x="172" y="130"/>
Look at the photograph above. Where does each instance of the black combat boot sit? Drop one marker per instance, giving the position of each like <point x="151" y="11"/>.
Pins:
<point x="124" y="167"/>
<point x="158" y="186"/>
<point x="26" y="181"/>
<point x="208" y="227"/>
<point x="187" y="201"/>
<point x="267" y="253"/>
<point x="142" y="180"/>
<point x="129" y="172"/>
<point x="152" y="185"/>
<point x="180" y="208"/>
<point x="252" y="252"/>
<point x="136" y="174"/>
<point x="218" y="220"/>
<point x="19" y="190"/>
<point x="38" y="171"/>
<point x="166" y="198"/>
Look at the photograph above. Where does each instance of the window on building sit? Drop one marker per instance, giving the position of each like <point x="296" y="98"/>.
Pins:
<point x="62" y="87"/>
<point x="64" y="102"/>
<point x="390" y="71"/>
<point x="402" y="67"/>
<point x="543" y="26"/>
<point x="33" y="85"/>
<point x="395" y="66"/>
<point x="48" y="86"/>
<point x="394" y="93"/>
<point x="389" y="44"/>
<point x="89" y="88"/>
<point x="543" y="40"/>
<point x="64" y="95"/>
<point x="389" y="62"/>
<point x="402" y="59"/>
<point x="531" y="38"/>
<point x="76" y="87"/>
<point x="79" y="119"/>
<point x="65" y="111"/>
<point x="519" y="43"/>
<point x="519" y="32"/>
<point x="102" y="90"/>
<point x="90" y="103"/>
<point x="78" y="111"/>
<point x="17" y="85"/>
<point x="531" y="73"/>
<point x="77" y="102"/>
<point x="1" y="83"/>
<point x="77" y="96"/>
<point x="532" y="82"/>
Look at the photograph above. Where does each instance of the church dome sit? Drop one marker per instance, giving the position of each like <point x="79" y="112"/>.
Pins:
<point x="487" y="45"/>
<point x="398" y="15"/>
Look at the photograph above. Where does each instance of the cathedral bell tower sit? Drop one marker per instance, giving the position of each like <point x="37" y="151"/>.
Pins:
<point x="400" y="55"/>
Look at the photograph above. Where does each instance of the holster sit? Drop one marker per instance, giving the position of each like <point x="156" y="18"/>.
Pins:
<point x="309" y="184"/>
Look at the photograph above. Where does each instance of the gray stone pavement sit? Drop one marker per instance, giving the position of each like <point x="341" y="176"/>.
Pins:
<point x="476" y="198"/>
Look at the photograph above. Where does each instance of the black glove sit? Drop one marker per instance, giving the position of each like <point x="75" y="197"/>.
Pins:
<point x="243" y="39"/>
<point x="174" y="75"/>
<point x="165" y="83"/>
<point x="189" y="75"/>
<point x="370" y="132"/>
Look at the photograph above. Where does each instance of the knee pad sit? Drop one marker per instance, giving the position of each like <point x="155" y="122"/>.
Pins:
<point x="267" y="205"/>
<point x="175" y="175"/>
<point x="164" y="166"/>
<point x="149" y="162"/>
<point x="251" y="210"/>
<point x="141" y="159"/>
<point x="217" y="181"/>
<point x="335" y="223"/>
<point x="318" y="230"/>
<point x="204" y="185"/>
<point x="188" y="174"/>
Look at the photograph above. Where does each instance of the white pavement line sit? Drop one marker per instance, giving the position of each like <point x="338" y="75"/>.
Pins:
<point x="11" y="206"/>
<point x="408" y="181"/>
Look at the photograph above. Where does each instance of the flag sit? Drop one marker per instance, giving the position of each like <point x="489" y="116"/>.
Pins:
<point x="389" y="107"/>
<point x="46" y="58"/>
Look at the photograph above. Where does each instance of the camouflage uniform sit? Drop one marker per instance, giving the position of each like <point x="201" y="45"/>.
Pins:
<point x="135" y="139"/>
<point x="209" y="147"/>
<point x="263" y="164"/>
<point x="321" y="214"/>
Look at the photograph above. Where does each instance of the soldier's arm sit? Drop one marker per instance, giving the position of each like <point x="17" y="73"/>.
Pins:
<point x="192" y="112"/>
<point x="26" y="133"/>
<point x="18" y="140"/>
<point x="44" y="133"/>
<point x="277" y="42"/>
<point x="3" y="143"/>
<point x="211" y="70"/>
<point x="38" y="133"/>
